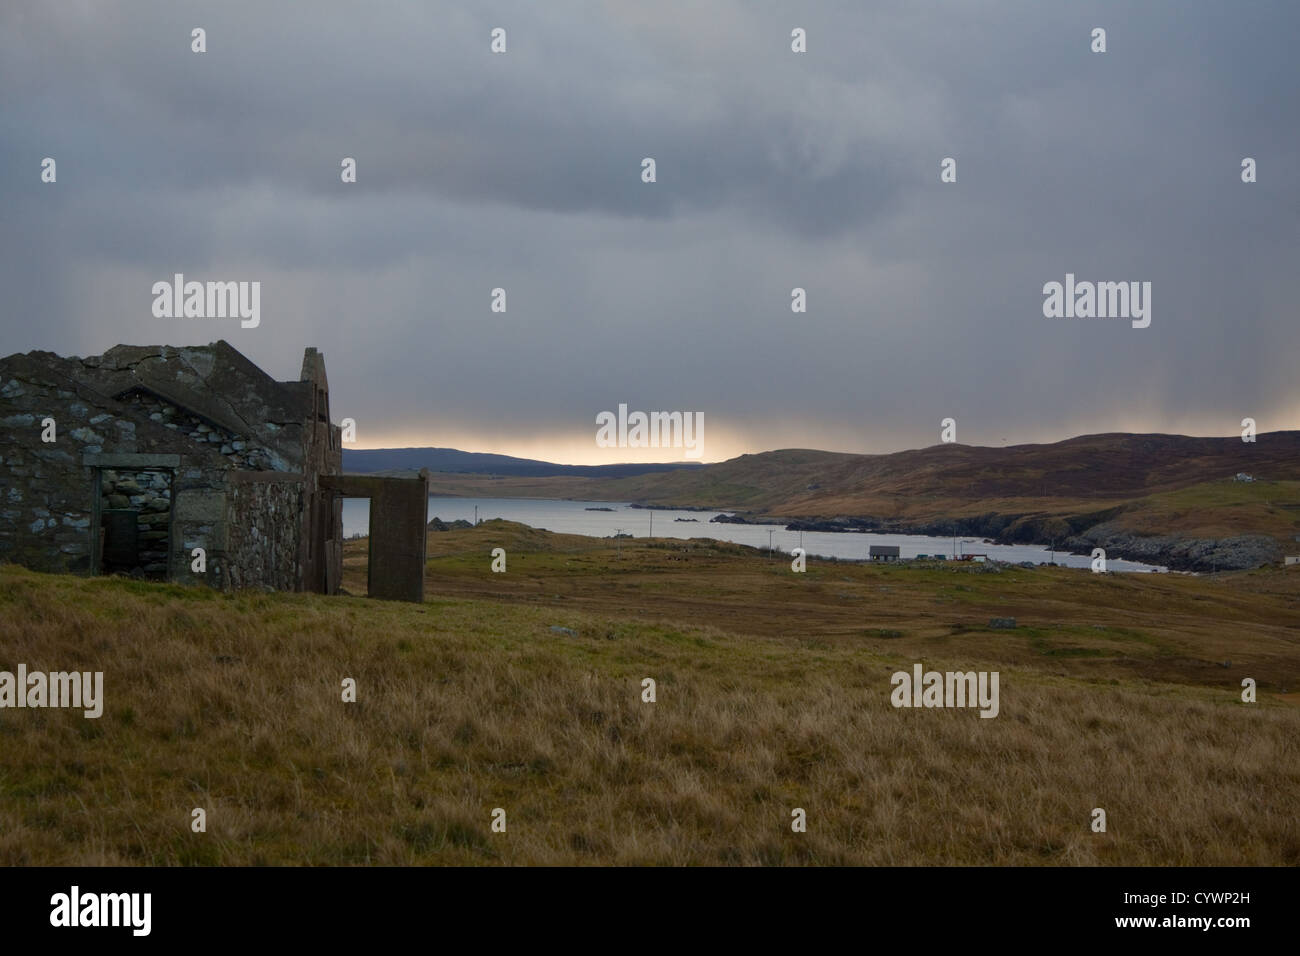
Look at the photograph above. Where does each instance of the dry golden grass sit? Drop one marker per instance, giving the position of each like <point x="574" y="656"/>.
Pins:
<point x="232" y="703"/>
<point x="1169" y="628"/>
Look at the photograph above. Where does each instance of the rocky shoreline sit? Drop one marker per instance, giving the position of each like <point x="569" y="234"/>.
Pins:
<point x="1078" y="534"/>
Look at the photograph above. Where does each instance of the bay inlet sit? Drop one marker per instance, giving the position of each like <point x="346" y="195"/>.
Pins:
<point x="603" y="519"/>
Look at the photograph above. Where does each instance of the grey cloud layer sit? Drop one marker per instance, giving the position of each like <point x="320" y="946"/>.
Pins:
<point x="775" y="170"/>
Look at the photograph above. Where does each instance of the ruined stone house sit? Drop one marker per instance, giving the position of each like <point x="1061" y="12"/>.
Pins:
<point x="129" y="461"/>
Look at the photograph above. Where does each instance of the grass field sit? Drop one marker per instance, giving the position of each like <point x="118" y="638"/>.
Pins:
<point x="523" y="691"/>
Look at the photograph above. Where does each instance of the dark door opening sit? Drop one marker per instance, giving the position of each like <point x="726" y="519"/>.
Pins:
<point x="135" y="528"/>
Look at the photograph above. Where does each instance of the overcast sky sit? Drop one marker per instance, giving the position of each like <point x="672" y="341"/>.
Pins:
<point x="819" y="170"/>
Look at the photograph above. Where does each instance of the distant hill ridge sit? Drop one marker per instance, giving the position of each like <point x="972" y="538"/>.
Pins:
<point x="454" y="461"/>
<point x="1103" y="467"/>
<point x="1165" y="499"/>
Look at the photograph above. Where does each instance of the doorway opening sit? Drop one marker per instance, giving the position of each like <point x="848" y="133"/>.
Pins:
<point x="356" y="546"/>
<point x="396" y="525"/>
<point x="135" y="522"/>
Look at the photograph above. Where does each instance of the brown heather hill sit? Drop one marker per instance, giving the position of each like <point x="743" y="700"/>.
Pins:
<point x="1092" y="468"/>
<point x="1168" y="498"/>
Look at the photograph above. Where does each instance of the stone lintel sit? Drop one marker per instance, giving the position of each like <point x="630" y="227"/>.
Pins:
<point x="131" y="460"/>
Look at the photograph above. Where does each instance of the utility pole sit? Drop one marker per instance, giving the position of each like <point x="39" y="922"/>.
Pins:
<point x="476" y="515"/>
<point x="769" y="544"/>
<point x="652" y="524"/>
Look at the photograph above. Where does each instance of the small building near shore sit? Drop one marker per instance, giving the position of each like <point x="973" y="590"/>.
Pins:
<point x="883" y="552"/>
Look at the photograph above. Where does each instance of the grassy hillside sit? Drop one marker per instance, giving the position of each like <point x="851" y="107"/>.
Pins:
<point x="1138" y="484"/>
<point x="522" y="691"/>
<point x="1220" y="508"/>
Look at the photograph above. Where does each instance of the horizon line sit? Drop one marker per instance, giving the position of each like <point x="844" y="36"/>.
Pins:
<point x="768" y="451"/>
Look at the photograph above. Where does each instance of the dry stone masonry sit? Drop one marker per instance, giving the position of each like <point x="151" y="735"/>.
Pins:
<point x="137" y="508"/>
<point x="129" y="461"/>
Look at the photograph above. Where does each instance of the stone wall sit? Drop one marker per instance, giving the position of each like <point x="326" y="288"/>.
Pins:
<point x="241" y="452"/>
<point x="46" y="499"/>
<point x="198" y="521"/>
<point x="322" y="454"/>
<point x="203" y="446"/>
<point x="45" y="515"/>
<point x="264" y="532"/>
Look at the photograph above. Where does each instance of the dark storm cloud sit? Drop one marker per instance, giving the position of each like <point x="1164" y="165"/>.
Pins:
<point x="775" y="170"/>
